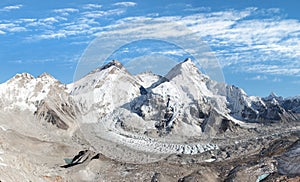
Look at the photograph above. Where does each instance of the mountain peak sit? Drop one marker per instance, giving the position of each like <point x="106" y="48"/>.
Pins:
<point x="46" y="76"/>
<point x="186" y="67"/>
<point x="112" y="63"/>
<point x="188" y="60"/>
<point x="273" y="96"/>
<point x="23" y="75"/>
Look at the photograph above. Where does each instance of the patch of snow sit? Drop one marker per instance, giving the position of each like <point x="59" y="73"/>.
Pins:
<point x="210" y="160"/>
<point x="2" y="164"/>
<point x="4" y="129"/>
<point x="146" y="79"/>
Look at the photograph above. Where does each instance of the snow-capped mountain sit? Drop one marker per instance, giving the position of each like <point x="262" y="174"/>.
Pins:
<point x="45" y="97"/>
<point x="291" y="104"/>
<point x="182" y="105"/>
<point x="256" y="109"/>
<point x="183" y="96"/>
<point x="103" y="90"/>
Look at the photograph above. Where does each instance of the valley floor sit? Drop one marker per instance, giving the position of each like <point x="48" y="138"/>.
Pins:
<point x="272" y="153"/>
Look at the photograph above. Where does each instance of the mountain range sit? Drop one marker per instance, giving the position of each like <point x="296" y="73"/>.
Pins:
<point x="138" y="119"/>
<point x="185" y="86"/>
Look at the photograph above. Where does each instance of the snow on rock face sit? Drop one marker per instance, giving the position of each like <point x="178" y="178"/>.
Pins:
<point x="147" y="79"/>
<point x="291" y="104"/>
<point x="196" y="87"/>
<point x="186" y="67"/>
<point x="24" y="91"/>
<point x="238" y="101"/>
<point x="273" y="96"/>
<point x="182" y="101"/>
<point x="103" y="90"/>
<point x="44" y="96"/>
<point x="256" y="109"/>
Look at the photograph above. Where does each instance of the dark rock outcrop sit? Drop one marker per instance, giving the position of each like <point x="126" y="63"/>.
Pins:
<point x="83" y="156"/>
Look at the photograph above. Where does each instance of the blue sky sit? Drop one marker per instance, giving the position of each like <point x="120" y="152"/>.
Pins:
<point x="256" y="42"/>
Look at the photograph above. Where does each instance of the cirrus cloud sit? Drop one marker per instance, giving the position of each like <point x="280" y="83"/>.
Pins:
<point x="10" y="8"/>
<point x="126" y="4"/>
<point x="250" y="40"/>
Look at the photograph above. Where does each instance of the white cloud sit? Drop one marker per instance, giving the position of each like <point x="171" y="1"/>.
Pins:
<point x="6" y="25"/>
<point x="238" y="39"/>
<point x="53" y="35"/>
<point x="19" y="61"/>
<point x="80" y="43"/>
<point x="14" y="7"/>
<point x="50" y="20"/>
<point x="285" y="69"/>
<point x="98" y="14"/>
<point x="126" y="4"/>
<point x="172" y="52"/>
<point x="94" y="14"/>
<point x="258" y="77"/>
<point x="266" y="45"/>
<point x="64" y="59"/>
<point x="250" y="41"/>
<point x="11" y="27"/>
<point x="276" y="79"/>
<point x="92" y="6"/>
<point x="66" y="11"/>
<point x="42" y="24"/>
<point x="197" y="9"/>
<point x="17" y="29"/>
<point x="26" y="20"/>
